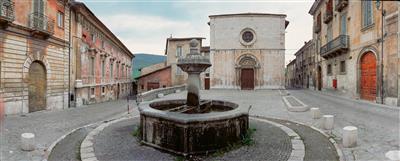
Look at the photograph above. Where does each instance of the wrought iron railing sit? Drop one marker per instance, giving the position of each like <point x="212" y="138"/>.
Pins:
<point x="339" y="43"/>
<point x="41" y="22"/>
<point x="7" y="10"/>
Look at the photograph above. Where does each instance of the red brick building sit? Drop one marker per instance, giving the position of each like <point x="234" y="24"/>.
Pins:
<point x="159" y="78"/>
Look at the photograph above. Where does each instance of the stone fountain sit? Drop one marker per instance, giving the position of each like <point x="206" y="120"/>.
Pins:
<point x="192" y="126"/>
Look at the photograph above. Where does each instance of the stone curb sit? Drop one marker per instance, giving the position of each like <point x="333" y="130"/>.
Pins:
<point x="298" y="148"/>
<point x="51" y="147"/>
<point x="339" y="150"/>
<point x="87" y="149"/>
<point x="291" y="108"/>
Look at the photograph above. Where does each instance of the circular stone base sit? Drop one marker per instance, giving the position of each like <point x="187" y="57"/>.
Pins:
<point x="116" y="142"/>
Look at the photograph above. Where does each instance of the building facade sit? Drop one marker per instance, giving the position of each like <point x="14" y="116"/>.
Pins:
<point x="100" y="63"/>
<point x="34" y="50"/>
<point x="290" y="77"/>
<point x="154" y="77"/>
<point x="357" y="48"/>
<point x="305" y="66"/>
<point x="251" y="54"/>
<point x="178" y="48"/>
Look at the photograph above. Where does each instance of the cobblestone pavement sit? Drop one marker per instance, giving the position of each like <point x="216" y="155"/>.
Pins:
<point x="48" y="126"/>
<point x="68" y="148"/>
<point x="317" y="146"/>
<point x="378" y="126"/>
<point x="118" y="144"/>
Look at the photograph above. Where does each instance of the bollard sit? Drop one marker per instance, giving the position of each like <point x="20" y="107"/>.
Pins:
<point x="393" y="155"/>
<point x="350" y="136"/>
<point x="28" y="141"/>
<point x="315" y="113"/>
<point x="160" y="95"/>
<point x="328" y="122"/>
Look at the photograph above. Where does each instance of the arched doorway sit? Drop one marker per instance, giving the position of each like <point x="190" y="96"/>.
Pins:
<point x="247" y="64"/>
<point x="319" y="78"/>
<point x="37" y="87"/>
<point x="368" y="76"/>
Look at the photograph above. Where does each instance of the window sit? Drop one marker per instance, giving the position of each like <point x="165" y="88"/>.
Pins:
<point x="91" y="66"/>
<point x="92" y="94"/>
<point x="367" y="13"/>
<point x="343" y="24"/>
<point x="38" y="6"/>
<point x="117" y="70"/>
<point x="93" y="38"/>
<point x="60" y="19"/>
<point x="103" y="44"/>
<point x="179" y="51"/>
<point x="111" y="70"/>
<point x="103" y="90"/>
<point x="342" y="66"/>
<point x="329" y="69"/>
<point x="103" y="68"/>
<point x="329" y="34"/>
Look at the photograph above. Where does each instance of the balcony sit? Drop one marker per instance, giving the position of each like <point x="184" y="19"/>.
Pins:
<point x="335" y="47"/>
<point x="328" y="16"/>
<point x="41" y="25"/>
<point x="6" y="13"/>
<point x="341" y="4"/>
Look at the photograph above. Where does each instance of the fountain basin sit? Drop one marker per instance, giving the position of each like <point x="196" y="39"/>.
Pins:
<point x="185" y="131"/>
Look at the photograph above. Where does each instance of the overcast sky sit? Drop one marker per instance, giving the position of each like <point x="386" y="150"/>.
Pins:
<point x="144" y="25"/>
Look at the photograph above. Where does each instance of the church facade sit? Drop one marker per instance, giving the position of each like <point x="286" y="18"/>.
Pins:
<point x="247" y="51"/>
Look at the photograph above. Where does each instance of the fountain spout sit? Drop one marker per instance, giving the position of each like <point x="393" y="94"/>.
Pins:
<point x="193" y="64"/>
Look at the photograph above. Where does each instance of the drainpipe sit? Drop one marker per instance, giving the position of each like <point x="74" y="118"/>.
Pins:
<point x="382" y="37"/>
<point x="69" y="57"/>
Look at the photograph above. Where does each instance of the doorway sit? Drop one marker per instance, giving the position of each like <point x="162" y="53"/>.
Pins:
<point x="37" y="87"/>
<point x="247" y="79"/>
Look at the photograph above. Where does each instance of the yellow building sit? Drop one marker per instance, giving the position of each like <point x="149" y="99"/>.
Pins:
<point x="357" y="57"/>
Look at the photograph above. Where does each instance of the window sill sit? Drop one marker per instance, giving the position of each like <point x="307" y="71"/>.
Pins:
<point x="365" y="28"/>
<point x="342" y="73"/>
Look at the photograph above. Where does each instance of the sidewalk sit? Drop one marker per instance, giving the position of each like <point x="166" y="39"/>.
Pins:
<point x="48" y="126"/>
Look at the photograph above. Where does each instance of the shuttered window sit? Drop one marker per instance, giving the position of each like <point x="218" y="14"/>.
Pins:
<point x="178" y="51"/>
<point x="38" y="6"/>
<point x="343" y="24"/>
<point x="367" y="13"/>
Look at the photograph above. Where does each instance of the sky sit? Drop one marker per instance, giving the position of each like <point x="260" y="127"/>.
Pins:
<point x="144" y="25"/>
